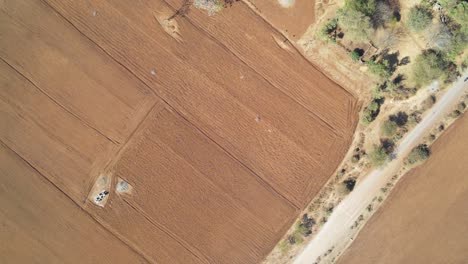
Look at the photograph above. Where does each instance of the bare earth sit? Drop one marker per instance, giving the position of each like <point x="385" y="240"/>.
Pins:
<point x="223" y="135"/>
<point x="425" y="219"/>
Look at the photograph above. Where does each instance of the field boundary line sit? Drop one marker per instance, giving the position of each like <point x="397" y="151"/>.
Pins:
<point x="76" y="203"/>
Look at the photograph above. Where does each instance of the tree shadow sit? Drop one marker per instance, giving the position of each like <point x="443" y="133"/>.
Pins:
<point x="391" y="58"/>
<point x="398" y="79"/>
<point x="359" y="51"/>
<point x="404" y="61"/>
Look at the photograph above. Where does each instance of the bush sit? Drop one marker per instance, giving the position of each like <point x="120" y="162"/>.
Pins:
<point x="355" y="24"/>
<point x="419" y="18"/>
<point x="419" y="153"/>
<point x="389" y="128"/>
<point x="428" y="103"/>
<point x="380" y="69"/>
<point x="401" y="118"/>
<point x="366" y="7"/>
<point x="430" y="65"/>
<point x="350" y="183"/>
<point x="354" y="55"/>
<point x="461" y="106"/>
<point x="378" y="156"/>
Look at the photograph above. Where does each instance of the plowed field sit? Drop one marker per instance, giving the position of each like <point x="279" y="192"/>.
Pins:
<point x="223" y="135"/>
<point x="425" y="219"/>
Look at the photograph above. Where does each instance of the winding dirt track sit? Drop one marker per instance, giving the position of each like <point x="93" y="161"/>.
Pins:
<point x="224" y="135"/>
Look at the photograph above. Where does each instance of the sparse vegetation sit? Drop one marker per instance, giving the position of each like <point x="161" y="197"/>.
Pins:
<point x="212" y="6"/>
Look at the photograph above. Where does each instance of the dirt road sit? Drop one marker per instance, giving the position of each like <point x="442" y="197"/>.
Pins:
<point x="336" y="234"/>
<point x="424" y="218"/>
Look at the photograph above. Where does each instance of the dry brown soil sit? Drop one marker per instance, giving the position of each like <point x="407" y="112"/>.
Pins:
<point x="223" y="135"/>
<point x="425" y="218"/>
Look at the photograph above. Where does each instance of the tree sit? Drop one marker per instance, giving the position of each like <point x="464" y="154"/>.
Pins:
<point x="371" y="111"/>
<point x="460" y="14"/>
<point x="389" y="128"/>
<point x="380" y="69"/>
<point x="383" y="14"/>
<point x="430" y="65"/>
<point x="328" y="31"/>
<point x="419" y="153"/>
<point x="366" y="7"/>
<point x="378" y="156"/>
<point x="419" y="18"/>
<point x="355" y="24"/>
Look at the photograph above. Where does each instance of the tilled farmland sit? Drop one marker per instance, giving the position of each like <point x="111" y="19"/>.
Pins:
<point x="121" y="142"/>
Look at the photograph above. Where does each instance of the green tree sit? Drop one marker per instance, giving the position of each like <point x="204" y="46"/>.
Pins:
<point x="430" y="65"/>
<point x="380" y="69"/>
<point x="419" y="18"/>
<point x="366" y="7"/>
<point x="389" y="128"/>
<point x="371" y="112"/>
<point x="355" y="24"/>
